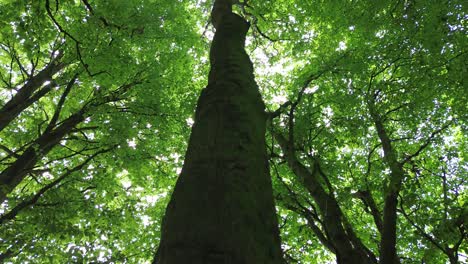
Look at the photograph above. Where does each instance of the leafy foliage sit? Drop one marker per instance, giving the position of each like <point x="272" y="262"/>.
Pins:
<point x="119" y="80"/>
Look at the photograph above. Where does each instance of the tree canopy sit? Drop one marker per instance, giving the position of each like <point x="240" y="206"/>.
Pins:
<point x="367" y="124"/>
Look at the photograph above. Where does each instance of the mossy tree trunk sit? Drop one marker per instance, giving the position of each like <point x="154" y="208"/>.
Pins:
<point x="222" y="208"/>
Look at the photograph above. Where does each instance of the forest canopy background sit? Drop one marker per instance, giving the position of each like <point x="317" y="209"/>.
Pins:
<point x="96" y="105"/>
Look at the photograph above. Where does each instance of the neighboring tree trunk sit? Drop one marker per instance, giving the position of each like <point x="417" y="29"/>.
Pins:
<point x="222" y="208"/>
<point x="342" y="241"/>
<point x="388" y="241"/>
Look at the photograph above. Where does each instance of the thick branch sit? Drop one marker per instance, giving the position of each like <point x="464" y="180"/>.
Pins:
<point x="24" y="97"/>
<point x="15" y="173"/>
<point x="61" y="102"/>
<point x="369" y="201"/>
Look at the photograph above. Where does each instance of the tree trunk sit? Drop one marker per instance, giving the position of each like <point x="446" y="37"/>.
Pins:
<point x="453" y="259"/>
<point x="388" y="241"/>
<point x="392" y="186"/>
<point x="222" y="208"/>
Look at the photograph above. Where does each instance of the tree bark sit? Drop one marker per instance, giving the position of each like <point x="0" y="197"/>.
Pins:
<point x="222" y="208"/>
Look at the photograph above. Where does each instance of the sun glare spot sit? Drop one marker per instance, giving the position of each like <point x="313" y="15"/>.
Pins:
<point x="342" y="46"/>
<point x="132" y="143"/>
<point x="189" y="121"/>
<point x="311" y="90"/>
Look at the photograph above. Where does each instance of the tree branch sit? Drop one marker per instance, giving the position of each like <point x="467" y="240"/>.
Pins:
<point x="28" y="202"/>
<point x="426" y="143"/>
<point x="420" y="230"/>
<point x="58" y="108"/>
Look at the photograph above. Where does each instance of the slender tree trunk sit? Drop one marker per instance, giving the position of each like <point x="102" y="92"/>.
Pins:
<point x="388" y="240"/>
<point x="453" y="259"/>
<point x="222" y="208"/>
